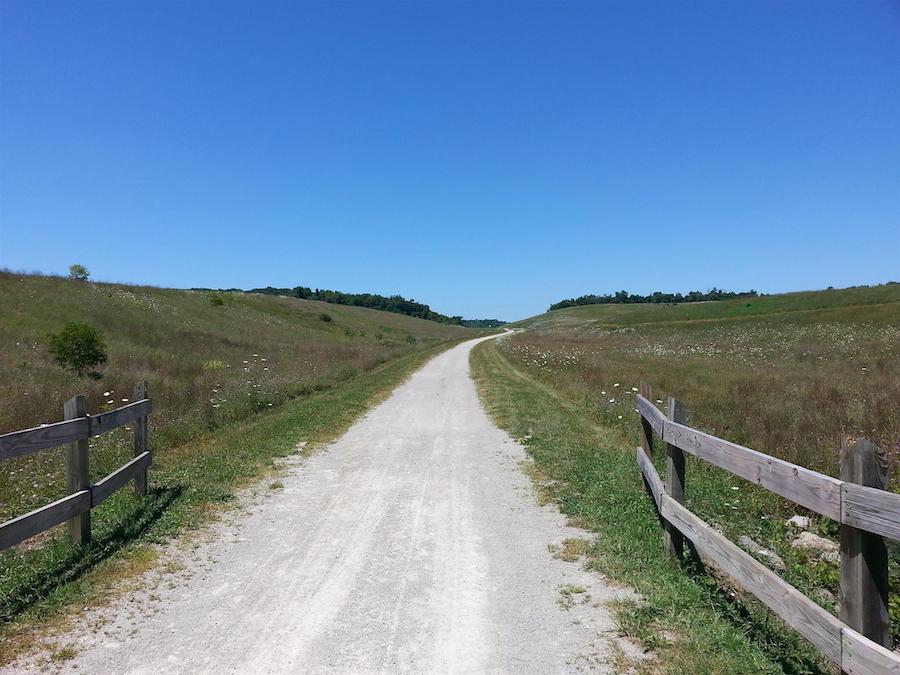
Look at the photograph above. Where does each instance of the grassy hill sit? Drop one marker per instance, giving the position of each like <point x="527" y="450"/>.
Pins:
<point x="784" y="374"/>
<point x="210" y="359"/>
<point x="837" y="303"/>
<point x="237" y="381"/>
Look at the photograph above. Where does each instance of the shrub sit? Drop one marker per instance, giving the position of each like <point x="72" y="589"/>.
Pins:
<point x="216" y="299"/>
<point x="78" y="272"/>
<point x="77" y="347"/>
<point x="325" y="317"/>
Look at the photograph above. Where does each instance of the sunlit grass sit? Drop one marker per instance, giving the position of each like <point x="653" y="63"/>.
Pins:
<point x="208" y="365"/>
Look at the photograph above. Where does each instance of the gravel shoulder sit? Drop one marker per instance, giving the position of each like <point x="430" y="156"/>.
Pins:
<point x="413" y="543"/>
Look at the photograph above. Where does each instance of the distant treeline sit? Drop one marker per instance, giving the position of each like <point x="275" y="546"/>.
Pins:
<point x="394" y="303"/>
<point x="626" y="298"/>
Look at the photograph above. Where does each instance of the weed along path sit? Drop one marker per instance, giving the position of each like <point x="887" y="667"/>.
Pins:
<point x="414" y="543"/>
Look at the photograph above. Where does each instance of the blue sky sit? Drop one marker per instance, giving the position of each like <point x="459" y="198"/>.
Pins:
<point x="485" y="158"/>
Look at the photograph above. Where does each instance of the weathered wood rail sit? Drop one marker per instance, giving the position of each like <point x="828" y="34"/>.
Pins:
<point x="75" y="431"/>
<point x="858" y="642"/>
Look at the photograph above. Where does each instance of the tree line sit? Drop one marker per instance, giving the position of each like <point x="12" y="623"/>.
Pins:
<point x="393" y="303"/>
<point x="626" y="298"/>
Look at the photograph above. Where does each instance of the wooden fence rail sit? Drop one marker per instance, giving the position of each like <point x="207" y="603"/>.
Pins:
<point x="75" y="431"/>
<point x="858" y="641"/>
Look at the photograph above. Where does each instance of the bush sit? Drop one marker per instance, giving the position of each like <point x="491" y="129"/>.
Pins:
<point x="216" y="299"/>
<point x="78" y="272"/>
<point x="77" y="347"/>
<point x="325" y="317"/>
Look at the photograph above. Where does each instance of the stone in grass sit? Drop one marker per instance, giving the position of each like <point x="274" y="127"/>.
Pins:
<point x="817" y="547"/>
<point x="760" y="552"/>
<point x="799" y="522"/>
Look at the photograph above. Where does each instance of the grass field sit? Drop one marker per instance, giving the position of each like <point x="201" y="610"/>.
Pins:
<point x="234" y="387"/>
<point x="787" y="375"/>
<point x="208" y="365"/>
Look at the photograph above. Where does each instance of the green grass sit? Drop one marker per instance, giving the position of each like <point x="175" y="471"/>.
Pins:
<point x="208" y="364"/>
<point x="614" y="316"/>
<point x="787" y="375"/>
<point x="188" y="483"/>
<point x="236" y="380"/>
<point x="789" y="382"/>
<point x="691" y="623"/>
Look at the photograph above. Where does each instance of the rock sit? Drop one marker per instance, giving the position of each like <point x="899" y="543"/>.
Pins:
<point x="818" y="547"/>
<point x="799" y="522"/>
<point x="760" y="552"/>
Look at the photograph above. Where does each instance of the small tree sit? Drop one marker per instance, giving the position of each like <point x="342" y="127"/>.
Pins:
<point x="77" y="347"/>
<point x="78" y="272"/>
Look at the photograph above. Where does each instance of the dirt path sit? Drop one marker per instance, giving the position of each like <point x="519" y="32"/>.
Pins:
<point x="414" y="543"/>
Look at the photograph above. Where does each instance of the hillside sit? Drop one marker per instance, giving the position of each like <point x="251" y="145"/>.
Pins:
<point x="844" y="303"/>
<point x="788" y="375"/>
<point x="210" y="359"/>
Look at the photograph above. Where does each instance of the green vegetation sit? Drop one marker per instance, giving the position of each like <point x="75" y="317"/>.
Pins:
<point x="208" y="366"/>
<point x="235" y="384"/>
<point x="786" y="375"/>
<point x="482" y="323"/>
<point x="658" y="297"/>
<point x="77" y="347"/>
<point x="394" y="303"/>
<point x="78" y="272"/>
<point x="187" y="482"/>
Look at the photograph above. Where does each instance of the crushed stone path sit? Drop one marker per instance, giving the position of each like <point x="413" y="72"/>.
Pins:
<point x="412" y="544"/>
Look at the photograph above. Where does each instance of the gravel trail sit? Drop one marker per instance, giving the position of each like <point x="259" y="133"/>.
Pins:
<point x="413" y="543"/>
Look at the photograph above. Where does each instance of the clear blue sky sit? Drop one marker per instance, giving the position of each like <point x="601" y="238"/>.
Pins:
<point x="485" y="158"/>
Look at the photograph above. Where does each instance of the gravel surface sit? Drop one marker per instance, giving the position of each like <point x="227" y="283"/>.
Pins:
<point x="414" y="543"/>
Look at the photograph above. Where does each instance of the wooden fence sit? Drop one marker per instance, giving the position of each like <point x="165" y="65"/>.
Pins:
<point x="75" y="430"/>
<point x="859" y="640"/>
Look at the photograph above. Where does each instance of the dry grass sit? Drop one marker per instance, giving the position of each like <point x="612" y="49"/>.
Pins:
<point x="789" y="383"/>
<point x="208" y="365"/>
<point x="785" y="375"/>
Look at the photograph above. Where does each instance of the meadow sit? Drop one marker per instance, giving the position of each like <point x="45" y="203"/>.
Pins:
<point x="237" y="382"/>
<point x="211" y="359"/>
<point x="787" y="375"/>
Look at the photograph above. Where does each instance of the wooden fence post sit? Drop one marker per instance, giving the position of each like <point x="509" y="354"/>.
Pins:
<point x="646" y="429"/>
<point x="674" y="479"/>
<point x="141" y="437"/>
<point x="864" y="561"/>
<point x="77" y="472"/>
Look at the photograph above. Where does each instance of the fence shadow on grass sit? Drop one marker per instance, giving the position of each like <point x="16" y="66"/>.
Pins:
<point x="783" y="648"/>
<point x="41" y="573"/>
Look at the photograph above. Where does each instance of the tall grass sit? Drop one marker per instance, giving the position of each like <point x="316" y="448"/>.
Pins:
<point x="789" y="380"/>
<point x="789" y="384"/>
<point x="209" y="364"/>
